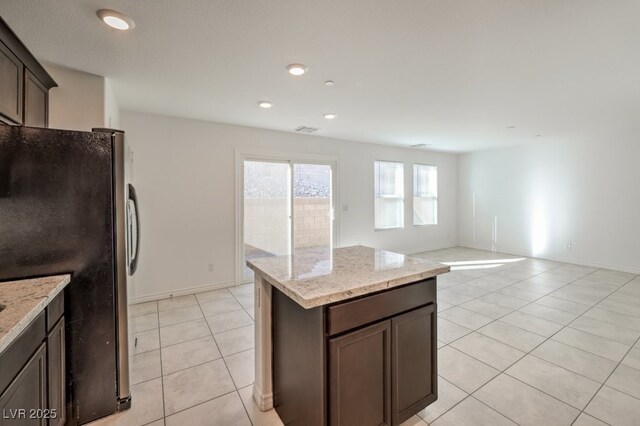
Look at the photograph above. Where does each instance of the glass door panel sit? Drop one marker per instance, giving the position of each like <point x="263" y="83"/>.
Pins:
<point x="312" y="206"/>
<point x="267" y="211"/>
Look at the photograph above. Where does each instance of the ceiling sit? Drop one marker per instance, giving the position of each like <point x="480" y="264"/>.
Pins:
<point x="456" y="75"/>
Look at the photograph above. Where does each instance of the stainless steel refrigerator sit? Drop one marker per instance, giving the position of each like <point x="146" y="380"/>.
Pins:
<point x="67" y="206"/>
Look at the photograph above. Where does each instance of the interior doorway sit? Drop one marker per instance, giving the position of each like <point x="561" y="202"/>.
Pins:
<point x="287" y="205"/>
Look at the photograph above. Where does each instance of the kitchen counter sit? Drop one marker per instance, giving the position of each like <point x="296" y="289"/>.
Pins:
<point x="327" y="322"/>
<point x="23" y="301"/>
<point x="317" y="277"/>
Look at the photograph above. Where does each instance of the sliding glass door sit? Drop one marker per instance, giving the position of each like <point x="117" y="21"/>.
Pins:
<point x="267" y="210"/>
<point x="312" y="206"/>
<point x="286" y="206"/>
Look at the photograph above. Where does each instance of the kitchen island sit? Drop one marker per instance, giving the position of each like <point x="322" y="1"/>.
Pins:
<point x="345" y="336"/>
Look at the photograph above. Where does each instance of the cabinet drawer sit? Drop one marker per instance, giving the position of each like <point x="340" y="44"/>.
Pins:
<point x="355" y="313"/>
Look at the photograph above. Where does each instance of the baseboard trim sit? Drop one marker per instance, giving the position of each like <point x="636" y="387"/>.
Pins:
<point x="180" y="292"/>
<point x="421" y="250"/>
<point x="263" y="401"/>
<point x="619" y="268"/>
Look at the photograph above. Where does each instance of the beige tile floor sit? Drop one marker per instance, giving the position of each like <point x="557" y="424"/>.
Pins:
<point x="521" y="341"/>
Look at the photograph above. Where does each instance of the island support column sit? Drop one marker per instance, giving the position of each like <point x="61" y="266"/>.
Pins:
<point x="263" y="384"/>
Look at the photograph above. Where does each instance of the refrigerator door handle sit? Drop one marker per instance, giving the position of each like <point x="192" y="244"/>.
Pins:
<point x="134" y="259"/>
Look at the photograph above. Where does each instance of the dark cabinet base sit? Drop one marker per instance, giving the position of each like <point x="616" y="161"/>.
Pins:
<point x="23" y="401"/>
<point x="342" y="365"/>
<point x="360" y="376"/>
<point x="56" y="373"/>
<point x="32" y="372"/>
<point x="414" y="362"/>
<point x="299" y="363"/>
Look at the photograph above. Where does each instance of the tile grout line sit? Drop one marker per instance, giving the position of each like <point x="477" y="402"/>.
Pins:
<point x="196" y="338"/>
<point x="472" y="331"/>
<point x="504" y="371"/>
<point x="253" y="349"/>
<point x="221" y="358"/>
<point x="612" y="371"/>
<point x="529" y="352"/>
<point x="531" y="302"/>
<point x="164" y="412"/>
<point x="225" y="362"/>
<point x="536" y="356"/>
<point x="199" y="403"/>
<point x="509" y="313"/>
<point x="548" y="338"/>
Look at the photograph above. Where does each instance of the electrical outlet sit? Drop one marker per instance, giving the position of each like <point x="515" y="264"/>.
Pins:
<point x="211" y="267"/>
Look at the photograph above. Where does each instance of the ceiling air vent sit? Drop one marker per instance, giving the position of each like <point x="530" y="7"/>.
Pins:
<point x="306" y="129"/>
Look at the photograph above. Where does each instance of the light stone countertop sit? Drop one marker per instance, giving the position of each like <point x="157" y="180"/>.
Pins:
<point x="317" y="277"/>
<point x="23" y="301"/>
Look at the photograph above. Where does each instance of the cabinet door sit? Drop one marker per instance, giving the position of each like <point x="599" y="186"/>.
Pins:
<point x="359" y="377"/>
<point x="414" y="371"/>
<point x="36" y="102"/>
<point x="27" y="392"/>
<point x="11" y="75"/>
<point x="56" y="373"/>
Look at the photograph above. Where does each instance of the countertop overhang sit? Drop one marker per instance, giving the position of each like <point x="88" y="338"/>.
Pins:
<point x="317" y="277"/>
<point x="23" y="301"/>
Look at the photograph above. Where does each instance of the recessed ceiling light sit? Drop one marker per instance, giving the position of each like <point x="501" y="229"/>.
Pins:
<point x="329" y="83"/>
<point x="265" y="104"/>
<point x="330" y="115"/>
<point x="296" y="69"/>
<point x="115" y="19"/>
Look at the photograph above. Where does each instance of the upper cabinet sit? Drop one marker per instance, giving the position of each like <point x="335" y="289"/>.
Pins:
<point x="24" y="83"/>
<point x="11" y="79"/>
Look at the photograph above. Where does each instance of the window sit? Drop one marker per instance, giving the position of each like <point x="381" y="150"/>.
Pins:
<point x="389" y="195"/>
<point x="425" y="195"/>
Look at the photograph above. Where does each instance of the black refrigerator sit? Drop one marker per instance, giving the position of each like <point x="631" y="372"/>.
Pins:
<point x="67" y="206"/>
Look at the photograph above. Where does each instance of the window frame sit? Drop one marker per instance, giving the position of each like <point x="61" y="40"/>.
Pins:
<point x="435" y="198"/>
<point x="402" y="198"/>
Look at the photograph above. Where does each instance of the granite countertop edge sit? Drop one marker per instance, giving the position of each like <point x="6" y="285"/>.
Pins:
<point x="16" y="329"/>
<point x="344" y="295"/>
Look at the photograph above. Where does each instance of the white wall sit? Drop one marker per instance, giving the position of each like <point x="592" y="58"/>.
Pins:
<point x="548" y="195"/>
<point x="111" y="109"/>
<point x="78" y="101"/>
<point x="185" y="179"/>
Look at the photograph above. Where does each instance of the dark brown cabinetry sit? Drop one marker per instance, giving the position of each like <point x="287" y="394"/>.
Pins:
<point x="366" y="361"/>
<point x="56" y="372"/>
<point x="36" y="102"/>
<point x="32" y="372"/>
<point x="414" y="384"/>
<point x="24" y="83"/>
<point x="356" y="395"/>
<point x="11" y="80"/>
<point x="25" y="398"/>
